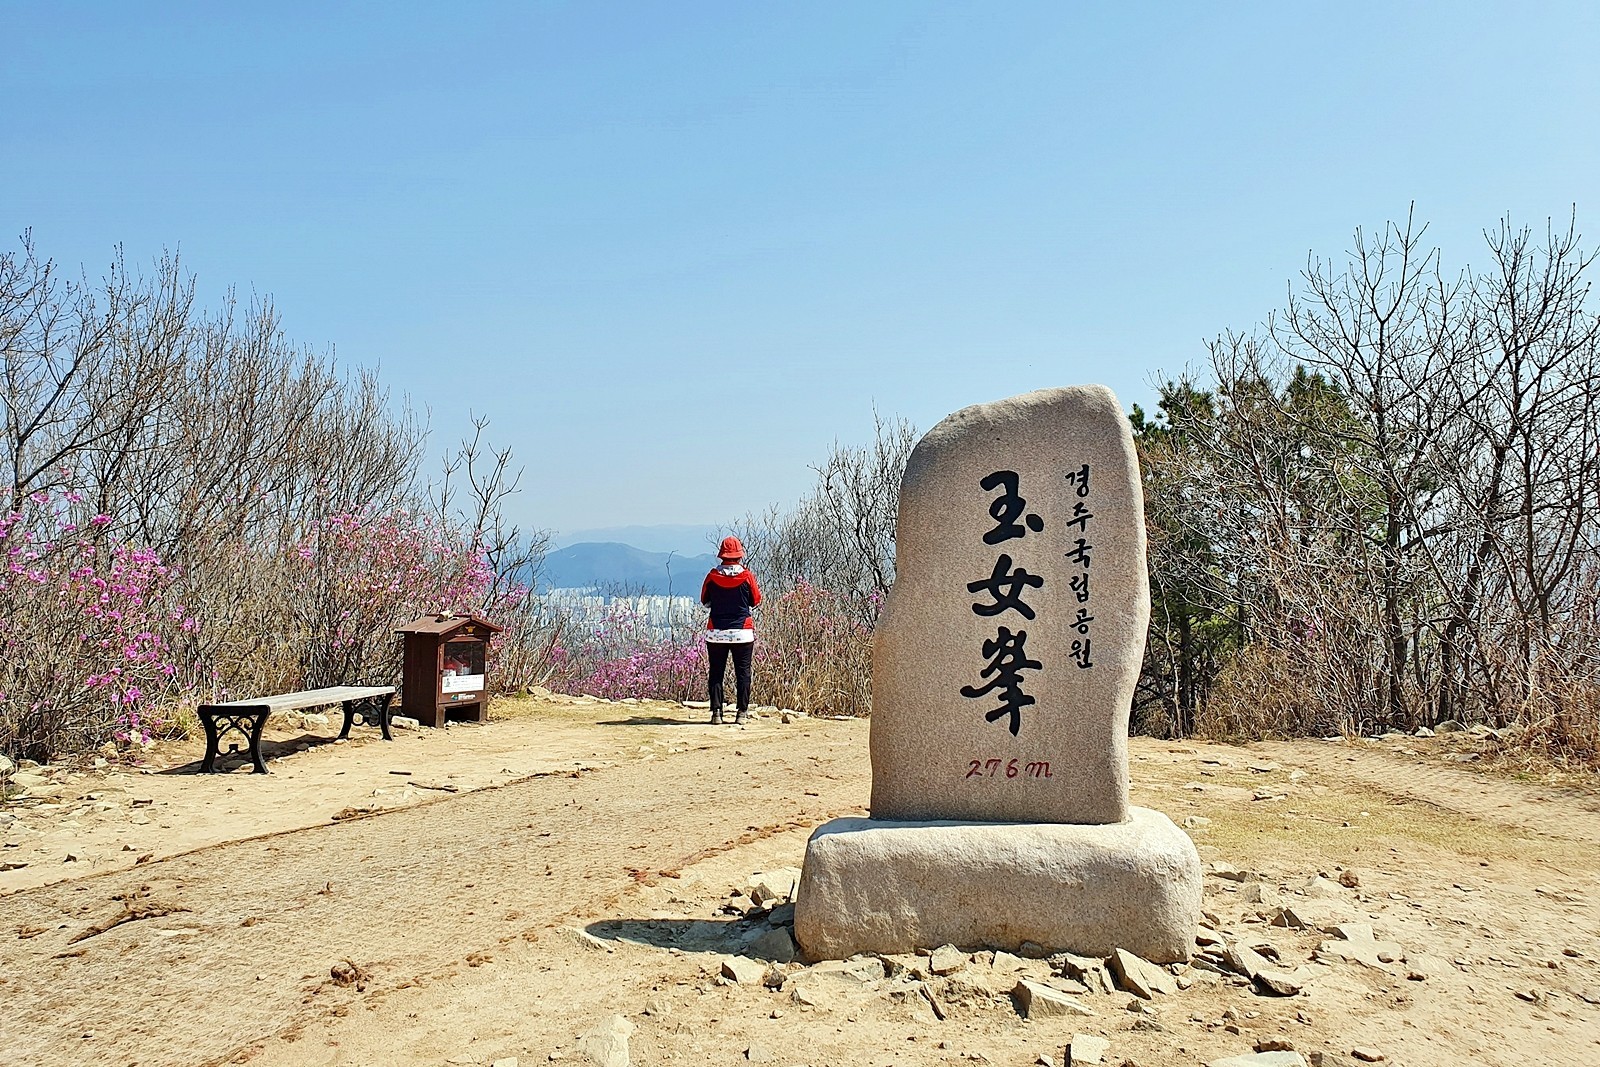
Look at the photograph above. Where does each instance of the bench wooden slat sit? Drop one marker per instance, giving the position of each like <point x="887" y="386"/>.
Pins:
<point x="310" y="698"/>
<point x="368" y="703"/>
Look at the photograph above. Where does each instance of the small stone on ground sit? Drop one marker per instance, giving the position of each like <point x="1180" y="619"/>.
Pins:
<point x="1088" y="1048"/>
<point x="1036" y="1001"/>
<point x="1139" y="976"/>
<point x="947" y="959"/>
<point x="1261" y="1059"/>
<point x="744" y="970"/>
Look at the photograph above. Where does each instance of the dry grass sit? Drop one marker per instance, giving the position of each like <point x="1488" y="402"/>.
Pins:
<point x="1322" y="823"/>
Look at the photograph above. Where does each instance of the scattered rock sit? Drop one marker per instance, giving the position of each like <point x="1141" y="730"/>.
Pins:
<point x="1278" y="982"/>
<point x="896" y="965"/>
<point x="508" y="1061"/>
<point x="1558" y="895"/>
<point x="1220" y="869"/>
<point x="813" y="997"/>
<point x="1037" y="1001"/>
<point x="775" y="944"/>
<point x="1261" y="1059"/>
<point x="773" y="887"/>
<point x="1261" y="893"/>
<point x="1139" y="976"/>
<point x="758" y="1054"/>
<point x="1349" y="879"/>
<point x="1354" y="943"/>
<point x="975" y="987"/>
<point x="1007" y="963"/>
<point x="1274" y="1044"/>
<point x="1245" y="961"/>
<point x="1290" y="919"/>
<point x="1091" y="972"/>
<point x="1195" y="822"/>
<point x="606" y="1044"/>
<point x="1087" y="1048"/>
<point x="1324" y="888"/>
<point x="947" y="959"/>
<point x="819" y="986"/>
<point x="744" y="970"/>
<point x="860" y="970"/>
<point x="658" y="1007"/>
<point x="782" y="915"/>
<point x="404" y="722"/>
<point x="1367" y="1055"/>
<point x="1068" y="985"/>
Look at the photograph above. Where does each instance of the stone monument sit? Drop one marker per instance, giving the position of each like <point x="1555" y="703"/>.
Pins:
<point x="1003" y="671"/>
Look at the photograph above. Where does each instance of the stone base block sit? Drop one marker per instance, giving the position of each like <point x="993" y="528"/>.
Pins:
<point x="872" y="885"/>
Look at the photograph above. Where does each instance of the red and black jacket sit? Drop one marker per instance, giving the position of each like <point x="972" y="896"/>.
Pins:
<point x="730" y="598"/>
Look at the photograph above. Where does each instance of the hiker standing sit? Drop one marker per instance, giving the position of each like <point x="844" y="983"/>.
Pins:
<point x="730" y="591"/>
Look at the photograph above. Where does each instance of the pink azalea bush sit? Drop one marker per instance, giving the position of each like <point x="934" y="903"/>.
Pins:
<point x="664" y="670"/>
<point x="361" y="574"/>
<point x="813" y="653"/>
<point x="87" y="627"/>
<point x="618" y="654"/>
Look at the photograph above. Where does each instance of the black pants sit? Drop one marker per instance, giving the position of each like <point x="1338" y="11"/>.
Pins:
<point x="742" y="655"/>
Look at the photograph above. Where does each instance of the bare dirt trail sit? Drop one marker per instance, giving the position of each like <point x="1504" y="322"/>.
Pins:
<point x="508" y="921"/>
<point x="1402" y="768"/>
<point x="241" y="936"/>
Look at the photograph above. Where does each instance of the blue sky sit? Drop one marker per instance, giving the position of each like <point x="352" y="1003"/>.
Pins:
<point x="673" y="250"/>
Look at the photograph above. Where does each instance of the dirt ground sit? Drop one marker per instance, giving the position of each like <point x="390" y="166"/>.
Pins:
<point x="519" y="890"/>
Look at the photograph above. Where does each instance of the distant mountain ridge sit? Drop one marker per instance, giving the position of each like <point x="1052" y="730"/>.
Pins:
<point x="683" y="538"/>
<point x="613" y="567"/>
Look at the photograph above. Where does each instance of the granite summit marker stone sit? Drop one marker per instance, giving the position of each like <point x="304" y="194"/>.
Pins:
<point x="1005" y="660"/>
<point x="1003" y="669"/>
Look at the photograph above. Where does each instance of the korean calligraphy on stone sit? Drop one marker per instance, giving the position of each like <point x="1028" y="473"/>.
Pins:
<point x="1006" y="588"/>
<point x="1008" y="658"/>
<point x="1081" y="552"/>
<point x="1006" y="508"/>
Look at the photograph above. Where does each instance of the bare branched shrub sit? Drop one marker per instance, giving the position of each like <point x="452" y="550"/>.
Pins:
<point x="814" y="653"/>
<point x="840" y="537"/>
<point x="826" y="567"/>
<point x="1386" y="498"/>
<point x="268" y="484"/>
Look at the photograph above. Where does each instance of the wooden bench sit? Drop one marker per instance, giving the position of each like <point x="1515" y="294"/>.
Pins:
<point x="368" y="703"/>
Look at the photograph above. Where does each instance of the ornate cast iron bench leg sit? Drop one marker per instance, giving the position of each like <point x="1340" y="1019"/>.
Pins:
<point x="371" y="711"/>
<point x="247" y="721"/>
<point x="255" y="742"/>
<point x="208" y="719"/>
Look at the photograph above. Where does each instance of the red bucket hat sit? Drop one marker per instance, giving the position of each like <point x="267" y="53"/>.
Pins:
<point x="730" y="549"/>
